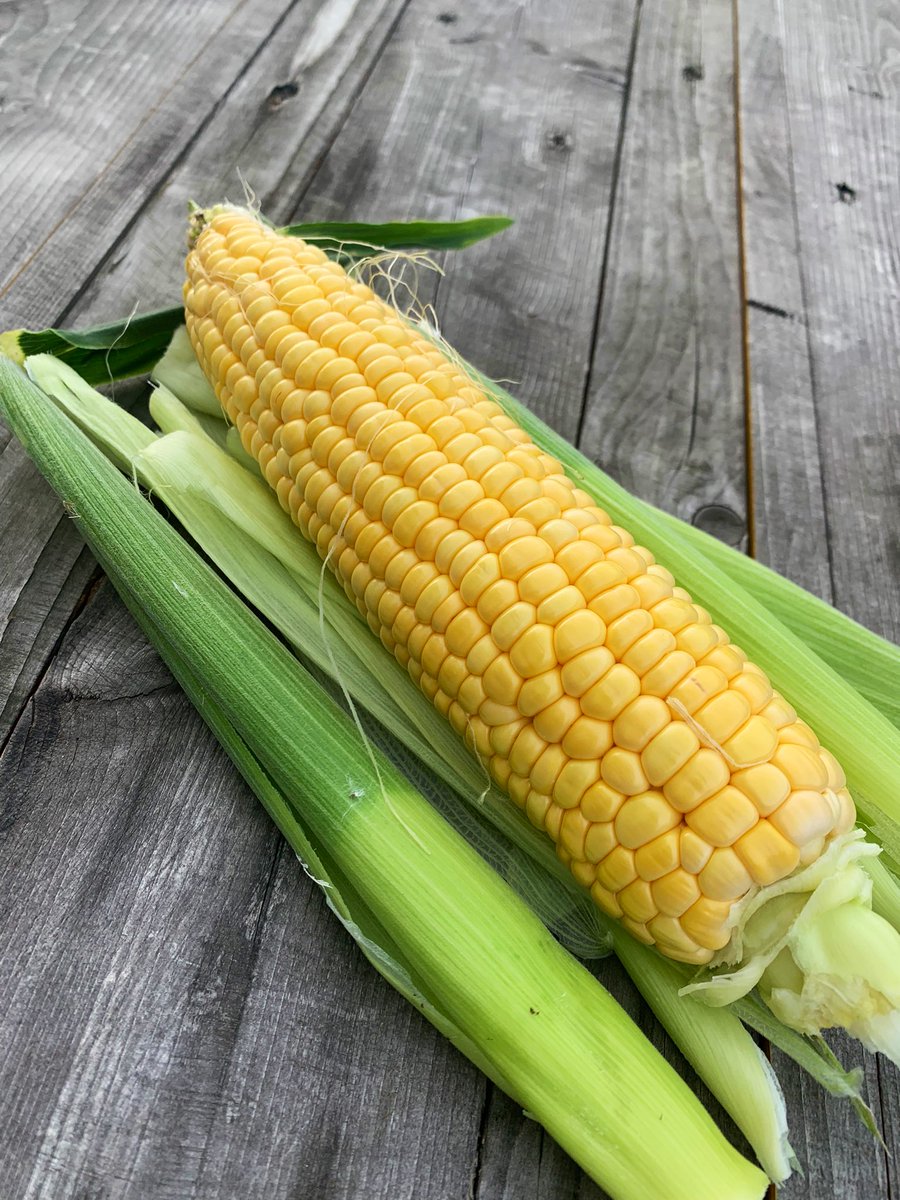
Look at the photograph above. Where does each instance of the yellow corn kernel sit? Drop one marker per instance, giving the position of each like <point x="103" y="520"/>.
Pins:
<point x="536" y="808"/>
<point x="722" y="716"/>
<point x="573" y="781"/>
<point x="617" y="869"/>
<point x="694" y="852"/>
<point x="668" y="751"/>
<point x="804" y="817"/>
<point x="674" y="893"/>
<point x="648" y="651"/>
<point x="642" y="720"/>
<point x="705" y="922"/>
<point x="699" y="687"/>
<point x="779" y="712"/>
<point x="599" y="841"/>
<point x="573" y="831"/>
<point x="533" y="653"/>
<point x="584" y="670"/>
<point x="766" y="853"/>
<point x="601" y="802"/>
<point x="554" y="721"/>
<point x="606" y="699"/>
<point x="581" y="631"/>
<point x="673" y="940"/>
<point x="552" y="822"/>
<point x="637" y="902"/>
<point x="765" y="785"/>
<point x="667" y="673"/>
<point x="803" y="766"/>
<point x="724" y="877"/>
<point x="643" y="818"/>
<point x="701" y="777"/>
<point x="755" y="742"/>
<point x="722" y="819"/>
<point x="606" y="900"/>
<point x="587" y="738"/>
<point x="541" y="691"/>
<point x="585" y="873"/>
<point x="622" y="770"/>
<point x="625" y="630"/>
<point x="547" y="768"/>
<point x="659" y="856"/>
<point x="755" y="689"/>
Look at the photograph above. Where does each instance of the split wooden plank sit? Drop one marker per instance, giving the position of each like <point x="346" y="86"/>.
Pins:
<point x="665" y="402"/>
<point x="817" y="112"/>
<point x="45" y="569"/>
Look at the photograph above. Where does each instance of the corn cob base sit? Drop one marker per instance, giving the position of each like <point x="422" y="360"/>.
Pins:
<point x="672" y="778"/>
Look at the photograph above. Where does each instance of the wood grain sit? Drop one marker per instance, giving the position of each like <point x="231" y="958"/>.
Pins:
<point x="818" y="108"/>
<point x="102" y="99"/>
<point x="170" y="1025"/>
<point x="179" y="1014"/>
<point x="289" y="103"/>
<point x="665" y="401"/>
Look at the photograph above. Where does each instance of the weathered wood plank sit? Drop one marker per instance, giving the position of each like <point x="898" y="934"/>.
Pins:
<point x="335" y="1086"/>
<point x="145" y="269"/>
<point x="146" y="897"/>
<point x="665" y="402"/>
<point x="838" y="111"/>
<point x="504" y="108"/>
<point x="44" y="569"/>
<point x="278" y="119"/>
<point x="817" y="112"/>
<point x="103" y="98"/>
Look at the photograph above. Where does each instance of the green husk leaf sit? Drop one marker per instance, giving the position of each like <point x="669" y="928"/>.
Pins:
<point x="727" y="1060"/>
<point x="103" y="353"/>
<point x="171" y="415"/>
<point x="340" y="896"/>
<point x="120" y="349"/>
<point x="357" y="239"/>
<point x="811" y="1054"/>
<point x="543" y="1023"/>
<point x="237" y="521"/>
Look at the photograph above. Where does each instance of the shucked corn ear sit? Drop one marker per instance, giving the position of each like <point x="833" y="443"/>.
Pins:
<point x="670" y="775"/>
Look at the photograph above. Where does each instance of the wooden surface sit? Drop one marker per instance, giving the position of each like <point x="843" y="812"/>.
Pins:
<point x="180" y="1017"/>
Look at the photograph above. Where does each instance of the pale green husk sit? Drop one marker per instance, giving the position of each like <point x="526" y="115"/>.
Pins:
<point x="541" y="1026"/>
<point x="200" y="485"/>
<point x="817" y="952"/>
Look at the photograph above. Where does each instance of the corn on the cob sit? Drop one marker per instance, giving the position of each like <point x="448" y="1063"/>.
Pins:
<point x="608" y="705"/>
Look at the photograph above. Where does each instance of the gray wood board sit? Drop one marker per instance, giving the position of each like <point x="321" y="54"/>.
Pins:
<point x="102" y="101"/>
<point x="665" y="400"/>
<point x="820" y="151"/>
<point x="275" y="1061"/>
